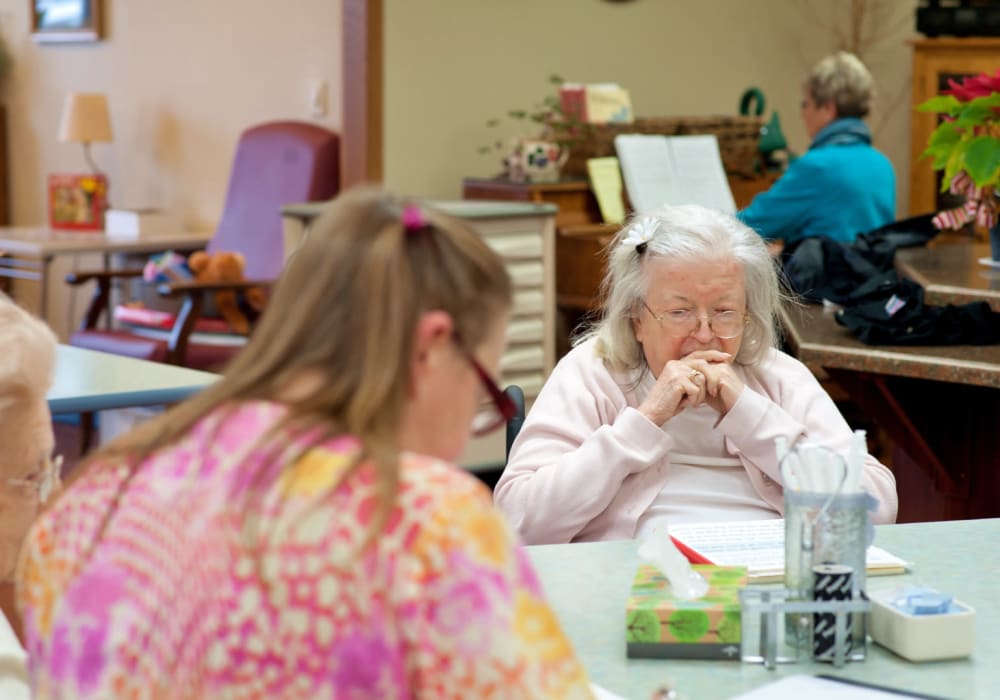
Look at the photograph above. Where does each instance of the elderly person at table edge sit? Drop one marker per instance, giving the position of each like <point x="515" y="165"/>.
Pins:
<point x="842" y="185"/>
<point x="27" y="474"/>
<point x="669" y="408"/>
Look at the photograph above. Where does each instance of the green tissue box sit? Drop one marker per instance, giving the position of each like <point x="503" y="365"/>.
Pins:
<point x="657" y="625"/>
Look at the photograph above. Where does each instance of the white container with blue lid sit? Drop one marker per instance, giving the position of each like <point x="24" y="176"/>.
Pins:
<point x="922" y="624"/>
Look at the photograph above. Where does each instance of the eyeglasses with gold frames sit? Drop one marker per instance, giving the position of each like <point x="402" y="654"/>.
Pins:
<point x="680" y="323"/>
<point x="42" y="480"/>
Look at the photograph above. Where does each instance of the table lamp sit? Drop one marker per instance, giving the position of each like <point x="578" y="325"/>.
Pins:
<point x="85" y="119"/>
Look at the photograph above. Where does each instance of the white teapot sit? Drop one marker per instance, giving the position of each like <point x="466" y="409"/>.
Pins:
<point x="535" y="160"/>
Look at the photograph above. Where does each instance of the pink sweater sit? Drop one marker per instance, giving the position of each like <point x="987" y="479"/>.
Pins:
<point x="587" y="464"/>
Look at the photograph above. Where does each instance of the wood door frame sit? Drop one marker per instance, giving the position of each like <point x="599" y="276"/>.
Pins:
<point x="362" y="85"/>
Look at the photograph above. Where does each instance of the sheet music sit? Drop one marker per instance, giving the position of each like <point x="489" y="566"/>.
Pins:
<point x="647" y="168"/>
<point x="662" y="170"/>
<point x="698" y="164"/>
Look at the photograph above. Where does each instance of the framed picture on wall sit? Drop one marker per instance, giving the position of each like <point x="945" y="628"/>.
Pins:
<point x="77" y="202"/>
<point x="65" y="20"/>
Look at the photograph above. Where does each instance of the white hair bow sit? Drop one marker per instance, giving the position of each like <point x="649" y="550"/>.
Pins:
<point x="640" y="232"/>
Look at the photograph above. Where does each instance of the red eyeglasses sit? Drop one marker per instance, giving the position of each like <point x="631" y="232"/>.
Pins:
<point x="497" y="408"/>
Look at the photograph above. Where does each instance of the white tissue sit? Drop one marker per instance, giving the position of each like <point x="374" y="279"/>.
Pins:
<point x="856" y="462"/>
<point x="659" y="550"/>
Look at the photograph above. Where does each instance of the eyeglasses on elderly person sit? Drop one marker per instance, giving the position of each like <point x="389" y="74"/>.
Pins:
<point x="41" y="481"/>
<point x="680" y="323"/>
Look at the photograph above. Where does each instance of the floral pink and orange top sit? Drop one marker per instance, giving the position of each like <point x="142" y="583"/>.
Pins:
<point x="227" y="573"/>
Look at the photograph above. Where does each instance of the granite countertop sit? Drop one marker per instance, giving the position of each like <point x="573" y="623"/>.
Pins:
<point x="818" y="341"/>
<point x="951" y="273"/>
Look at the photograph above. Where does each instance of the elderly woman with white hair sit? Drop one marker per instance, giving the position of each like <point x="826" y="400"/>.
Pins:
<point x="669" y="408"/>
<point x="27" y="474"/>
<point x="842" y="185"/>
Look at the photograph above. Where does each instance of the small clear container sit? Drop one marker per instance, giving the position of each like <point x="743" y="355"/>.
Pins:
<point x="825" y="529"/>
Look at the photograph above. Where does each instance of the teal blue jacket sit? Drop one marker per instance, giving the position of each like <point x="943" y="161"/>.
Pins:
<point x="840" y="187"/>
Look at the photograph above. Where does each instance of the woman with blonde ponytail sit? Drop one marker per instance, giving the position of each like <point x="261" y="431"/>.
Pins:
<point x="298" y="529"/>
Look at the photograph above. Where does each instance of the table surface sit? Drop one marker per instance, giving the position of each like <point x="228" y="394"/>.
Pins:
<point x="39" y="241"/>
<point x="952" y="273"/>
<point x="87" y="380"/>
<point x="588" y="584"/>
<point x="819" y="341"/>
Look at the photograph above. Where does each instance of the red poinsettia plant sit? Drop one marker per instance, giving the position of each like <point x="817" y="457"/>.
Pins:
<point x="966" y="146"/>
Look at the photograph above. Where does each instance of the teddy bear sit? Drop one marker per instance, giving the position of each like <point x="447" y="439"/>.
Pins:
<point x="226" y="266"/>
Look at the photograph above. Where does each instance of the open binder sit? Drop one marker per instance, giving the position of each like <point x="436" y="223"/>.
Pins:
<point x="661" y="170"/>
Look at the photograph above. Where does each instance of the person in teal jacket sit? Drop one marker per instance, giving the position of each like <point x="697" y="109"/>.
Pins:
<point x="842" y="185"/>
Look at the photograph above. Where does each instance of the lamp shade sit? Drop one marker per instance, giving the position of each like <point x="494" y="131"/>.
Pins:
<point x="85" y="118"/>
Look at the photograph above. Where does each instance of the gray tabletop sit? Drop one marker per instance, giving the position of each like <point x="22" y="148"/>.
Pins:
<point x="87" y="380"/>
<point x="465" y="209"/>
<point x="40" y="241"/>
<point x="588" y="584"/>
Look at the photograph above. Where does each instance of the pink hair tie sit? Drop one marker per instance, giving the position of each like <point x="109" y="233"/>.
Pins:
<point x="413" y="219"/>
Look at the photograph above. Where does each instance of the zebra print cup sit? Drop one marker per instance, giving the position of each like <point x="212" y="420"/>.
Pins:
<point x="831" y="582"/>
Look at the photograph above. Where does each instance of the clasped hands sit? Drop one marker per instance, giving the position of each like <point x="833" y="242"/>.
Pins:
<point x="703" y="377"/>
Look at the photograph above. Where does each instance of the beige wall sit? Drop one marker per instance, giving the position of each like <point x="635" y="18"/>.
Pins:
<point x="445" y="78"/>
<point x="183" y="79"/>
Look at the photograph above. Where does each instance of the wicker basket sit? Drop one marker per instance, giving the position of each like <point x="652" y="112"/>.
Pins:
<point x="739" y="138"/>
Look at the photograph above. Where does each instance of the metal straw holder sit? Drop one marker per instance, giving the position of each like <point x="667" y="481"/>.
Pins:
<point x="762" y="620"/>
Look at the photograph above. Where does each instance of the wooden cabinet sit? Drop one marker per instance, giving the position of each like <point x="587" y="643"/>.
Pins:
<point x="575" y="201"/>
<point x="934" y="62"/>
<point x="523" y="234"/>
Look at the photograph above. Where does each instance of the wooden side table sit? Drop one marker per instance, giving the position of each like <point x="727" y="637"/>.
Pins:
<point x="575" y="199"/>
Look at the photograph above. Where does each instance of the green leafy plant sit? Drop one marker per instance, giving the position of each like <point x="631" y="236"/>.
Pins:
<point x="547" y="119"/>
<point x="965" y="145"/>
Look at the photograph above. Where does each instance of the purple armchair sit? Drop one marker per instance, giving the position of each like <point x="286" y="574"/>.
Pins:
<point x="276" y="163"/>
